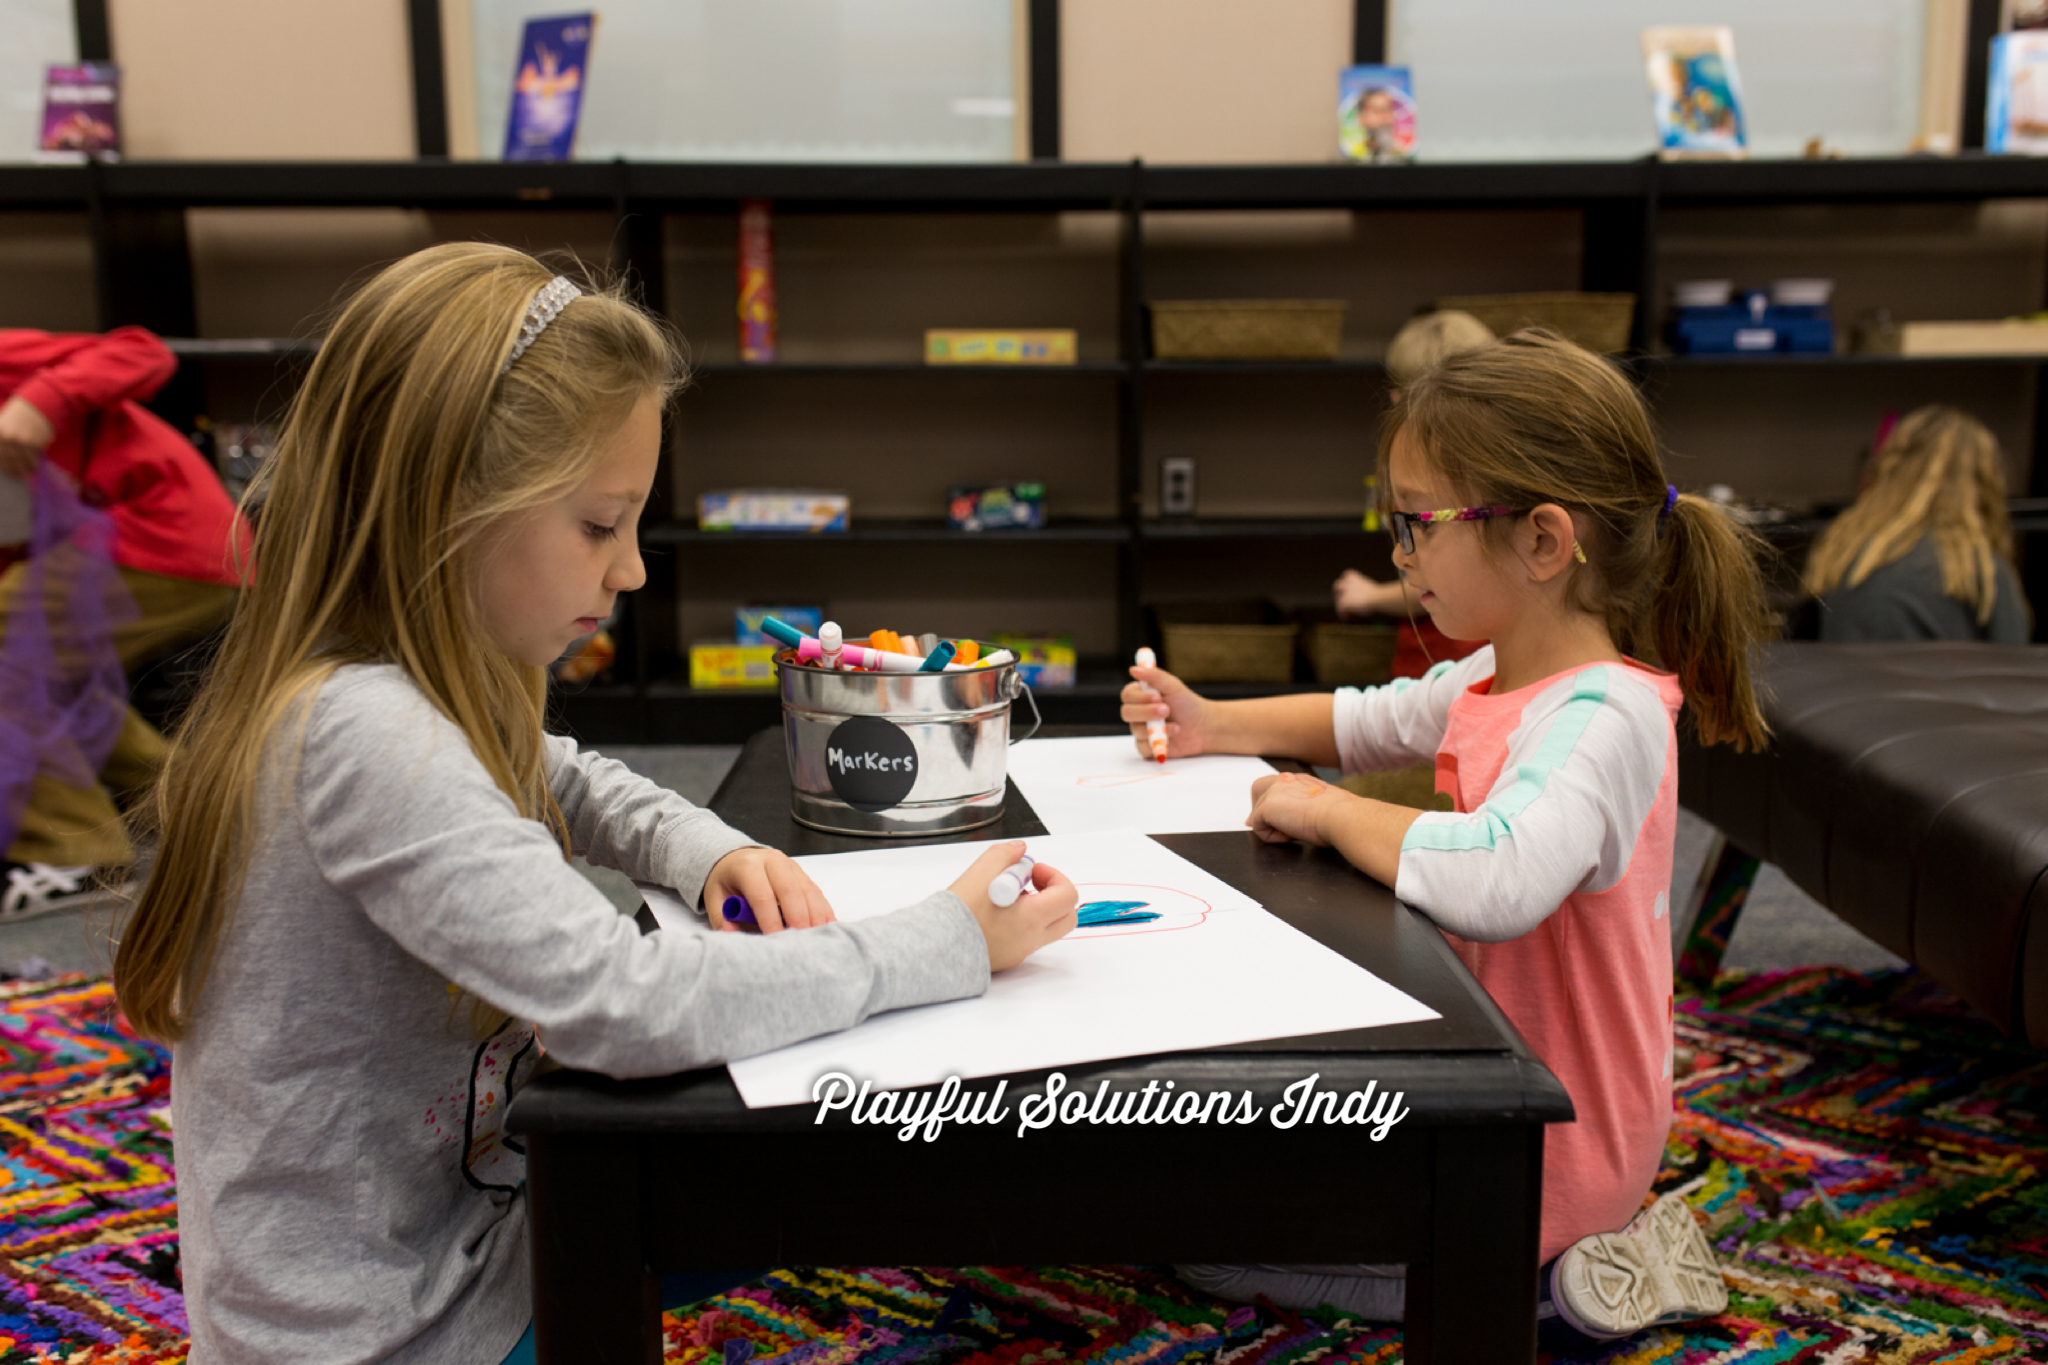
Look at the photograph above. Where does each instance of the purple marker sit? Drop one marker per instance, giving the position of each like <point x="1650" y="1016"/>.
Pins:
<point x="738" y="911"/>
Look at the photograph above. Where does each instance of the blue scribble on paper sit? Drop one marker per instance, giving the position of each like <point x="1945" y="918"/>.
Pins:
<point x="1097" y="914"/>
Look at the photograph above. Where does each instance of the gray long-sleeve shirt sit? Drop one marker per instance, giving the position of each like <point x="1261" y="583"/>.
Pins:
<point x="346" y="1190"/>
<point x="1903" y="600"/>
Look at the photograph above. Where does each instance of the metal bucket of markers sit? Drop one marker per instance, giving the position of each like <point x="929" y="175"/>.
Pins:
<point x="897" y="755"/>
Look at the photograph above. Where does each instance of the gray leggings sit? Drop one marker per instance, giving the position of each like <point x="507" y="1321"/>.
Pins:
<point x="1371" y="1292"/>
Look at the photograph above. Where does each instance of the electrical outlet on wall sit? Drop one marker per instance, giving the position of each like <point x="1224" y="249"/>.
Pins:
<point x="1177" y="486"/>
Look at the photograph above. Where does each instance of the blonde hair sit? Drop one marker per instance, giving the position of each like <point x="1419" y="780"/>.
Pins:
<point x="403" y="448"/>
<point x="1940" y="475"/>
<point x="1537" y="419"/>
<point x="1431" y="339"/>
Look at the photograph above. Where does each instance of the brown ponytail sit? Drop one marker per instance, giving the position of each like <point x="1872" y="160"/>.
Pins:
<point x="1536" y="419"/>
<point x="1707" y="618"/>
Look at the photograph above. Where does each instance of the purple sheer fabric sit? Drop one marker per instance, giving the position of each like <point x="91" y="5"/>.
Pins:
<point x="63" y="695"/>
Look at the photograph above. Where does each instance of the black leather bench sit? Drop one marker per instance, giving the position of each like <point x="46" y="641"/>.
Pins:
<point x="1906" y="789"/>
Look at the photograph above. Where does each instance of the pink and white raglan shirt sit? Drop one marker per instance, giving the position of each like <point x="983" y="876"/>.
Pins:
<point x="1552" y="878"/>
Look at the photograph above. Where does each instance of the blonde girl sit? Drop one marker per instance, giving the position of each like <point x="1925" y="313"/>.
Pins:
<point x="1925" y="553"/>
<point x="361" y="923"/>
<point x="1530" y="510"/>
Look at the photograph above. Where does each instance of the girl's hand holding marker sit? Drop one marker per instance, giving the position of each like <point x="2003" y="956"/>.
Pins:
<point x="772" y="891"/>
<point x="1020" y="911"/>
<point x="1167" y="718"/>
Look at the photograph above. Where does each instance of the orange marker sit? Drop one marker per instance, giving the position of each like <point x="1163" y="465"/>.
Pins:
<point x="1155" y="730"/>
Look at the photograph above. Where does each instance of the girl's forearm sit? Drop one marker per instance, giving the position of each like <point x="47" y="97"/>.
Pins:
<point x="1302" y="727"/>
<point x="1369" y="833"/>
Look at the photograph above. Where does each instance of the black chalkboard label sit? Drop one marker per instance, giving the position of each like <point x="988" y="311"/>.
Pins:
<point x="871" y="763"/>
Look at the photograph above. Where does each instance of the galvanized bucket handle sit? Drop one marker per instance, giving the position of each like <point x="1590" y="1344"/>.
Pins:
<point x="1016" y="686"/>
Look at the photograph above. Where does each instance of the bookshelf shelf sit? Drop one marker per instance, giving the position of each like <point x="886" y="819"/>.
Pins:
<point x="1253" y="528"/>
<point x="1092" y="368"/>
<point x="890" y="532"/>
<point x="1850" y="360"/>
<point x="135" y="213"/>
<point x="1254" y="367"/>
<point x="242" y="348"/>
<point x="1023" y="186"/>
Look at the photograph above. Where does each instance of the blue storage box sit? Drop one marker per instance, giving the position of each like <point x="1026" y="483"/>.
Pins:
<point x="1754" y="326"/>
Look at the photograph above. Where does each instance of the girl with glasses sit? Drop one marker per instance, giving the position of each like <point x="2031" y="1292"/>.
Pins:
<point x="1530" y="510"/>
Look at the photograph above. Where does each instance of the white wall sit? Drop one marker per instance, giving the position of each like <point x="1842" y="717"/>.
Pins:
<point x="264" y="79"/>
<point x="1201" y="80"/>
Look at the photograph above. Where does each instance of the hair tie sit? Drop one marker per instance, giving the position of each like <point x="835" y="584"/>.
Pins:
<point x="547" y="305"/>
<point x="1670" y="500"/>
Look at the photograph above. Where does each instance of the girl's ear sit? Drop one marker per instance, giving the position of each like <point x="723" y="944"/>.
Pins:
<point x="1549" y="535"/>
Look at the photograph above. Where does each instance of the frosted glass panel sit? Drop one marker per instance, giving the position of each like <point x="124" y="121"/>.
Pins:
<point x="775" y="80"/>
<point x="38" y="33"/>
<point x="1508" y="80"/>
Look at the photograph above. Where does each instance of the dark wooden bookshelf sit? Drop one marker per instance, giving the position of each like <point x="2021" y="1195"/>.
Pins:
<point x="134" y="212"/>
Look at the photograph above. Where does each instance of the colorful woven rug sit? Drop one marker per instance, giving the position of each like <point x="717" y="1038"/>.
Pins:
<point x="88" y="1206"/>
<point x="1866" y="1153"/>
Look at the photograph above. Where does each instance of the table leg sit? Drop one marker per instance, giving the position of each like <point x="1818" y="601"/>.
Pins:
<point x="595" y="1302"/>
<point x="1474" y="1299"/>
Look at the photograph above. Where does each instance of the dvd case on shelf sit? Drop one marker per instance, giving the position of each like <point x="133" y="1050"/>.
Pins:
<point x="547" y="91"/>
<point x="1376" y="114"/>
<point x="1694" y="92"/>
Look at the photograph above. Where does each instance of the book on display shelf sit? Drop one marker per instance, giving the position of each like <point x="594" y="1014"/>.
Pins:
<point x="2016" y="93"/>
<point x="1695" y="94"/>
<point x="548" y="87"/>
<point x="1376" y="115"/>
<point x="81" y="113"/>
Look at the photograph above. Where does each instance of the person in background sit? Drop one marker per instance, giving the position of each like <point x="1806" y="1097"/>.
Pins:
<point x="74" y="401"/>
<point x="1925" y="552"/>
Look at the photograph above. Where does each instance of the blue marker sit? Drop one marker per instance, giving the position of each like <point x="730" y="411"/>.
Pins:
<point x="783" y="631"/>
<point x="737" y="910"/>
<point x="936" y="661"/>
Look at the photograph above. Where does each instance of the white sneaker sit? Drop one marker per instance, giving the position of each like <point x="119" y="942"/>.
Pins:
<point x="38" y="888"/>
<point x="1660" y="1268"/>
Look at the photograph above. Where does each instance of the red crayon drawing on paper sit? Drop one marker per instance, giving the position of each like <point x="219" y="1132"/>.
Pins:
<point x="1108" y="780"/>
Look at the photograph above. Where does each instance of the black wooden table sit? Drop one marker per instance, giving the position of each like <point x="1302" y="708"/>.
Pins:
<point x="629" y="1179"/>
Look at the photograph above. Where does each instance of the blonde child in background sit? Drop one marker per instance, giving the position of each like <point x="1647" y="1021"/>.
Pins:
<point x="1925" y="552"/>
<point x="361" y="922"/>
<point x="1530" y="511"/>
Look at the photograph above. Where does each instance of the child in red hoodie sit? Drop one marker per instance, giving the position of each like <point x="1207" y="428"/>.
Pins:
<point x="74" y="402"/>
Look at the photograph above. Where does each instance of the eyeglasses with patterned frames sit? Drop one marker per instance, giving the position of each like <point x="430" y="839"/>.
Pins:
<point x="1403" y="524"/>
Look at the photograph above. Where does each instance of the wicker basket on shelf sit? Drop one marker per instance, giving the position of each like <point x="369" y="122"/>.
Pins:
<point x="1351" y="653"/>
<point x="1230" y="653"/>
<point x="1246" y="640"/>
<point x="1247" y="329"/>
<point x="1598" y="322"/>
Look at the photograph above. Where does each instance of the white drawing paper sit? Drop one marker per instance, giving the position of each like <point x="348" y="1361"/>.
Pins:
<point x="668" y="908"/>
<point x="1214" y="969"/>
<point x="1081" y="785"/>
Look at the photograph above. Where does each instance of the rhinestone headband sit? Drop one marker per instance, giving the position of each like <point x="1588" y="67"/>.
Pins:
<point x="547" y="305"/>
